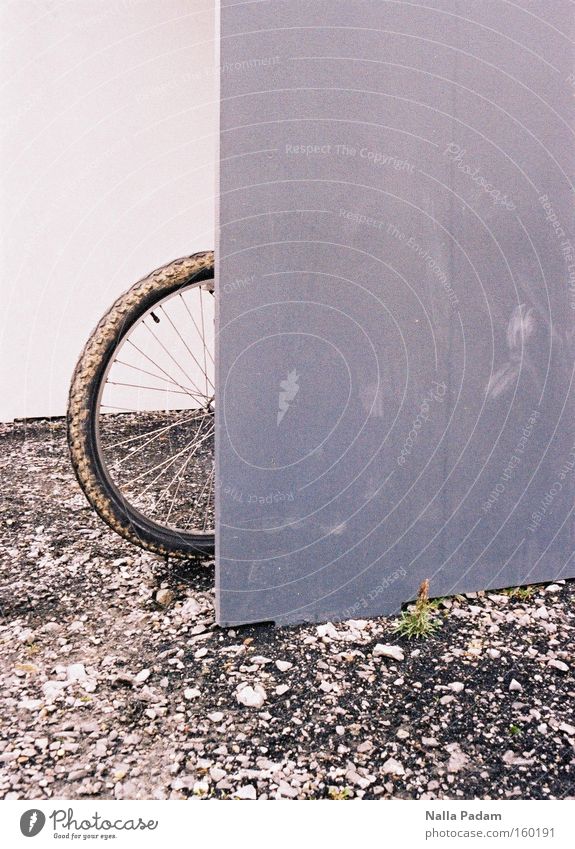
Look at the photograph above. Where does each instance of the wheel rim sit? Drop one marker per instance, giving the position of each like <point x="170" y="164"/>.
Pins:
<point x="155" y="414"/>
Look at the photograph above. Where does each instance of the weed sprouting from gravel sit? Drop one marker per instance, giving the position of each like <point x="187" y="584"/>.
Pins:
<point x="520" y="593"/>
<point x="339" y="793"/>
<point x="421" y="620"/>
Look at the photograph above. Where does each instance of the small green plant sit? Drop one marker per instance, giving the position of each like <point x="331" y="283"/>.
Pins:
<point x="515" y="730"/>
<point x="339" y="793"/>
<point x="419" y="622"/>
<point x="520" y="593"/>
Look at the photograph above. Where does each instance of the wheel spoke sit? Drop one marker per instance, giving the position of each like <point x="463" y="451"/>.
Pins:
<point x="206" y="349"/>
<point x="159" y="431"/>
<point x="203" y="337"/>
<point x="212" y="475"/>
<point x="182" y="467"/>
<point x="148" y="388"/>
<point x="168" y="461"/>
<point x="157" y="376"/>
<point x="159" y="452"/>
<point x="171" y="356"/>
<point x="204" y="370"/>
<point x="131" y="453"/>
<point x="188" y="391"/>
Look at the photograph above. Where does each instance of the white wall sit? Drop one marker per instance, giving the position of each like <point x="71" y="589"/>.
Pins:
<point x="107" y="127"/>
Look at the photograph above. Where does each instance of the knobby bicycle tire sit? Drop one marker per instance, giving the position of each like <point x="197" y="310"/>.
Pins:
<point x="90" y="371"/>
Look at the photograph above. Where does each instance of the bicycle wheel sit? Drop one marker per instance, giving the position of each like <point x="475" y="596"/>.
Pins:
<point x="141" y="411"/>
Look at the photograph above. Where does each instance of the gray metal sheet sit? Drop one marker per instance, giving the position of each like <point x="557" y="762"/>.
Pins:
<point x="396" y="303"/>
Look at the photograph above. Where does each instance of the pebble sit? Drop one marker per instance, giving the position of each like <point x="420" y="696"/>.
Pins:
<point x="165" y="597"/>
<point x="53" y="689"/>
<point x="216" y="716"/>
<point x="76" y="672"/>
<point x="251" y="696"/>
<point x="393" y="767"/>
<point x="190" y="609"/>
<point x="122" y="679"/>
<point x="143" y="675"/>
<point x="393" y="652"/>
<point x="283" y="688"/>
<point x="283" y="665"/>
<point x="458" y="760"/>
<point x="456" y="686"/>
<point x="192" y="693"/>
<point x="328" y="631"/>
<point x="514" y="685"/>
<point x="216" y="774"/>
<point x="558" y="664"/>
<point x="285" y="790"/>
<point x="248" y="791"/>
<point x="513" y="759"/>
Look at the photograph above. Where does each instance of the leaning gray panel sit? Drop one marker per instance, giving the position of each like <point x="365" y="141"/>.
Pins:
<point x="396" y="303"/>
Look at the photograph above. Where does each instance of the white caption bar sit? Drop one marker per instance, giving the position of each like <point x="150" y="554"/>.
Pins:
<point x="391" y="823"/>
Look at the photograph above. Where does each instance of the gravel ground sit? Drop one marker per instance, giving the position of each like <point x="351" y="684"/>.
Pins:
<point x="117" y="684"/>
